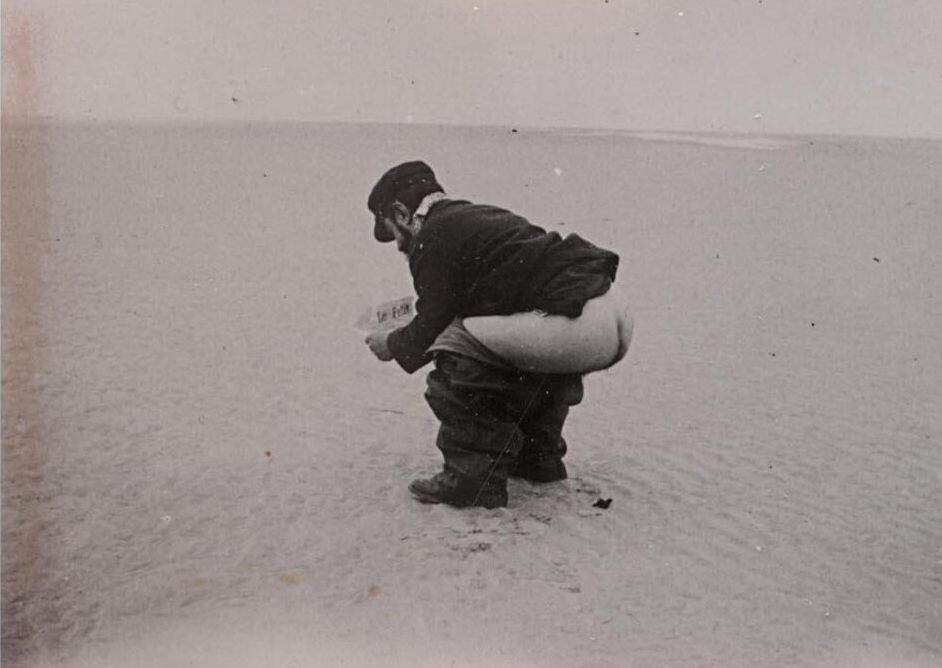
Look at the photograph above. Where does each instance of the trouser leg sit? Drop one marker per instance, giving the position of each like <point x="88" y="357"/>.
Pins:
<point x="479" y="409"/>
<point x="543" y="446"/>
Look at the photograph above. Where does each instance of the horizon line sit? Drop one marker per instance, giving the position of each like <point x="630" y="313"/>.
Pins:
<point x="649" y="134"/>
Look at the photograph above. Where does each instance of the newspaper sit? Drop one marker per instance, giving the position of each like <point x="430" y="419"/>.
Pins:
<point x="386" y="316"/>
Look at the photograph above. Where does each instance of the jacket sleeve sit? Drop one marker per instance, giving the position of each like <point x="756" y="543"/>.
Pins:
<point x="435" y="276"/>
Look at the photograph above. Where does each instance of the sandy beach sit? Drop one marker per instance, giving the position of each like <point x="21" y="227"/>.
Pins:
<point x="204" y="466"/>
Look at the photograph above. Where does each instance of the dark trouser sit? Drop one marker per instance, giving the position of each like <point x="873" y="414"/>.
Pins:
<point x="494" y="420"/>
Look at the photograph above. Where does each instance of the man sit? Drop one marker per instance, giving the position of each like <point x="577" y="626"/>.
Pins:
<point x="470" y="262"/>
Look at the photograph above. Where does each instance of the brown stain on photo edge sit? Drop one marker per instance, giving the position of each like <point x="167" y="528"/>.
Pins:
<point x="28" y="606"/>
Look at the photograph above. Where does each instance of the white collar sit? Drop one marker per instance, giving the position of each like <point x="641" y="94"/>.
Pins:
<point x="421" y="211"/>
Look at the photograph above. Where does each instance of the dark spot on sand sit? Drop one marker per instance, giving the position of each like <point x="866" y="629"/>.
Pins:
<point x="876" y="259"/>
<point x="513" y="130"/>
<point x="602" y="503"/>
<point x="772" y="354"/>
<point x="268" y="453"/>
<point x="637" y="34"/>
<point x="812" y="323"/>
<point x="235" y="100"/>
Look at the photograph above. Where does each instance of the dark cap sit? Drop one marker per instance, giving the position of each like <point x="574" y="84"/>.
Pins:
<point x="408" y="183"/>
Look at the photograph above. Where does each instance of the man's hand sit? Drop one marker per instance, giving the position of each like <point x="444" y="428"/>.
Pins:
<point x="377" y="343"/>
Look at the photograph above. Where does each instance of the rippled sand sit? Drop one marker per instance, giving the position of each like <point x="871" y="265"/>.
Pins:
<point x="203" y="465"/>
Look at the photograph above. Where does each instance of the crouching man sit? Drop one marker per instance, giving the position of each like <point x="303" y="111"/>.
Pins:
<point x="511" y="315"/>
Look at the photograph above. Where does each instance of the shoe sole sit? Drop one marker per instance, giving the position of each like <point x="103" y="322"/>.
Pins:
<point x="423" y="497"/>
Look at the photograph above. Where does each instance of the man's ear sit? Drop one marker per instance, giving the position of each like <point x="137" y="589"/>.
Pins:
<point x="401" y="213"/>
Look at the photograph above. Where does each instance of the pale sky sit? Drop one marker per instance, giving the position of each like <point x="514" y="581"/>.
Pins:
<point x="858" y="67"/>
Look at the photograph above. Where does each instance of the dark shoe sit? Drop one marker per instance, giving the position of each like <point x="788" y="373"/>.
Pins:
<point x="545" y="470"/>
<point x="448" y="487"/>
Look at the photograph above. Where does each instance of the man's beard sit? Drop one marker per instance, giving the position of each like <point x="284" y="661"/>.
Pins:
<point x="404" y="242"/>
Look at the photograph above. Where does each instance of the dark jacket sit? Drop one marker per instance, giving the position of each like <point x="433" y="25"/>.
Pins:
<point x="470" y="260"/>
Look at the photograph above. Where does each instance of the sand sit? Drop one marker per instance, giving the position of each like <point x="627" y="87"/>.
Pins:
<point x="204" y="466"/>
